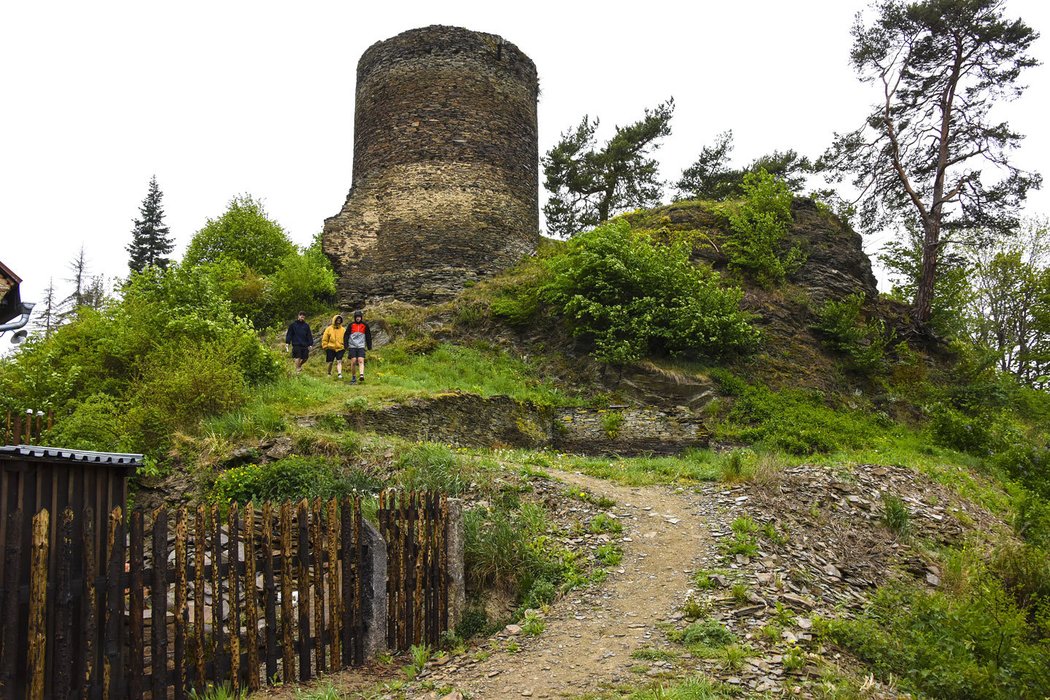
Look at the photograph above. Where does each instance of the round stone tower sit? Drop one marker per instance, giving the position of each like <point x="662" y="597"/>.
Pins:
<point x="445" y="167"/>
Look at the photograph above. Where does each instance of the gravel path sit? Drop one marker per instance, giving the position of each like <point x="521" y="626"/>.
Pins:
<point x="590" y="635"/>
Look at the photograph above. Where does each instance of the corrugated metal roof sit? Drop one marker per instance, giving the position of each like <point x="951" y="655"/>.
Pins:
<point x="114" y="458"/>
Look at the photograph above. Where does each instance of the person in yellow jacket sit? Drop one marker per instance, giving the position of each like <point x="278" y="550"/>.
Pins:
<point x="333" y="342"/>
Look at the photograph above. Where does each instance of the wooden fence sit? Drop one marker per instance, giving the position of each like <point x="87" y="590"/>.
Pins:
<point x="245" y="597"/>
<point x="24" y="428"/>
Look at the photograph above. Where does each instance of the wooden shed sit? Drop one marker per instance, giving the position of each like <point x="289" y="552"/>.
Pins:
<point x="31" y="479"/>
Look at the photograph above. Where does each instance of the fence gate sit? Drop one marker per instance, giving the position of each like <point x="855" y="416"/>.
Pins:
<point x="243" y="596"/>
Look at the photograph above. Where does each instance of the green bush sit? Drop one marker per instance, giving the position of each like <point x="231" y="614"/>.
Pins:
<point x="243" y="233"/>
<point x="796" y="421"/>
<point x="430" y="466"/>
<point x="97" y="423"/>
<point x="953" y="428"/>
<point x="864" y="343"/>
<point x="1032" y="519"/>
<point x="758" y="225"/>
<point x="707" y="633"/>
<point x="975" y="645"/>
<point x="288" y="479"/>
<point x="632" y="296"/>
<point x="168" y="353"/>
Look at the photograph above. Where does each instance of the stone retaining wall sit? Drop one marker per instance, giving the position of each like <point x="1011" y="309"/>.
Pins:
<point x="475" y="421"/>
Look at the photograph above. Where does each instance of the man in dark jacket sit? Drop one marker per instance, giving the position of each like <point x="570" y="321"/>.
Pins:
<point x="358" y="339"/>
<point x="300" y="338"/>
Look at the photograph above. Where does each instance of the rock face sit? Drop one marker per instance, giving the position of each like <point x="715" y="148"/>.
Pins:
<point x="836" y="265"/>
<point x="476" y="421"/>
<point x="445" y="184"/>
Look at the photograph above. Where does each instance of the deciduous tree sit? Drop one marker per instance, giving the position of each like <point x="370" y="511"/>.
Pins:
<point x="931" y="150"/>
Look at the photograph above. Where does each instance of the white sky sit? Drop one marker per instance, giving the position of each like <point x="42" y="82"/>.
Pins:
<point x="219" y="98"/>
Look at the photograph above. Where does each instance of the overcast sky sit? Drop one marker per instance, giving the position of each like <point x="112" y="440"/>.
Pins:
<point x="220" y="98"/>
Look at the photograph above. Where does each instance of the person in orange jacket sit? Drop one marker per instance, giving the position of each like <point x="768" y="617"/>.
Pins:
<point x="334" y="342"/>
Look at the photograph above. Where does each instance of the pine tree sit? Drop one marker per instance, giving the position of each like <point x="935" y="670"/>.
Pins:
<point x="80" y="280"/>
<point x="47" y="318"/>
<point x="150" y="238"/>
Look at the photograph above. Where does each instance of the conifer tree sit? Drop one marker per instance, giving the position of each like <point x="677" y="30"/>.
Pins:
<point x="150" y="239"/>
<point x="80" y="279"/>
<point x="47" y="318"/>
<point x="932" y="150"/>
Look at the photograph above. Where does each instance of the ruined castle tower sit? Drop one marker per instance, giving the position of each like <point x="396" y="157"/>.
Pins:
<point x="445" y="167"/>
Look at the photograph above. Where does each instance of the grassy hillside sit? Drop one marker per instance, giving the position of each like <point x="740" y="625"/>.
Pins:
<point x="804" y="380"/>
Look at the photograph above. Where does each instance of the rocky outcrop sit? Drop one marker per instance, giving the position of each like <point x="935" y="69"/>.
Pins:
<point x="499" y="421"/>
<point x="836" y="264"/>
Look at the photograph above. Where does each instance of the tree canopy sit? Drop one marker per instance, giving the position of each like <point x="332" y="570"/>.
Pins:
<point x="589" y="184"/>
<point x="244" y="233"/>
<point x="930" y="151"/>
<point x="711" y="177"/>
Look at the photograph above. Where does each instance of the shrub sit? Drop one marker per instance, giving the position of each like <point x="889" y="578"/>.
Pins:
<point x="708" y="633"/>
<point x="758" y="226"/>
<point x="953" y="428"/>
<point x="975" y="645"/>
<point x="97" y="423"/>
<point x="431" y="466"/>
<point x="796" y="421"/>
<point x="863" y="342"/>
<point x="243" y="233"/>
<point x="291" y="478"/>
<point x="632" y="296"/>
<point x="896" y="515"/>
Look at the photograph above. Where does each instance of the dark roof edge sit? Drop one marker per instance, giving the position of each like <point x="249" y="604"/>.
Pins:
<point x="117" y="459"/>
<point x="9" y="273"/>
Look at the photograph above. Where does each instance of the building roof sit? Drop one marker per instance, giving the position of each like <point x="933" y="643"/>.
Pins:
<point x="117" y="459"/>
<point x="6" y="272"/>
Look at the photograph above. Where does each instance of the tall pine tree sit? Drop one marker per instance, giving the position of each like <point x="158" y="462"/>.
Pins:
<point x="150" y="239"/>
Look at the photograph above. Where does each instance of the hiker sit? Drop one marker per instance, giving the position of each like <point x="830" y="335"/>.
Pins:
<point x="334" y="344"/>
<point x="300" y="338"/>
<point x="358" y="339"/>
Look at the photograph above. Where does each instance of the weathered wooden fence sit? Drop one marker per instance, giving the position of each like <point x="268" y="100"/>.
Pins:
<point x="24" y="428"/>
<point x="243" y="597"/>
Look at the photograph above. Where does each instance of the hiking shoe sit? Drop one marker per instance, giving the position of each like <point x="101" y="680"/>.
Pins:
<point x="353" y="380"/>
<point x="362" y="379"/>
<point x="339" y="376"/>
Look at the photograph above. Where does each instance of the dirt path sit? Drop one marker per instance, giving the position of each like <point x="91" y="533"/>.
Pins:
<point x="590" y="635"/>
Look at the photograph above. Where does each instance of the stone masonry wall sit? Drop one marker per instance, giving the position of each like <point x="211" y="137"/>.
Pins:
<point x="445" y="183"/>
<point x="474" y="421"/>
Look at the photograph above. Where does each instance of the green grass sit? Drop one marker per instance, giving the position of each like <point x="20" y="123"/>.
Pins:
<point x="488" y="372"/>
<point x="693" y="467"/>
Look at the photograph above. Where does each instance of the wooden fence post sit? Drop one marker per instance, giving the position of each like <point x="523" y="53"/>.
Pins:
<point x="38" y="605"/>
<point x="136" y="605"/>
<point x="180" y="604"/>
<point x="12" y="582"/>
<point x="90" y="677"/>
<point x="287" y="640"/>
<point x="304" y="591"/>
<point x="159" y="613"/>
<point x="251" y="609"/>
<point x="113" y="659"/>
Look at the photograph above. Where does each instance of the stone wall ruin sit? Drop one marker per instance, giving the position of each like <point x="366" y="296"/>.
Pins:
<point x="445" y="179"/>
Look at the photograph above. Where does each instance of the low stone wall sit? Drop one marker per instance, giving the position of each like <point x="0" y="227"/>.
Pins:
<point x="628" y="431"/>
<point x="500" y="421"/>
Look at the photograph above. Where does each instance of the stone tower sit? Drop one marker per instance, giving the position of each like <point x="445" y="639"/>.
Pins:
<point x="445" y="167"/>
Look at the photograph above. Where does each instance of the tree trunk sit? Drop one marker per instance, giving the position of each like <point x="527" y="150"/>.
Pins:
<point x="931" y="245"/>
